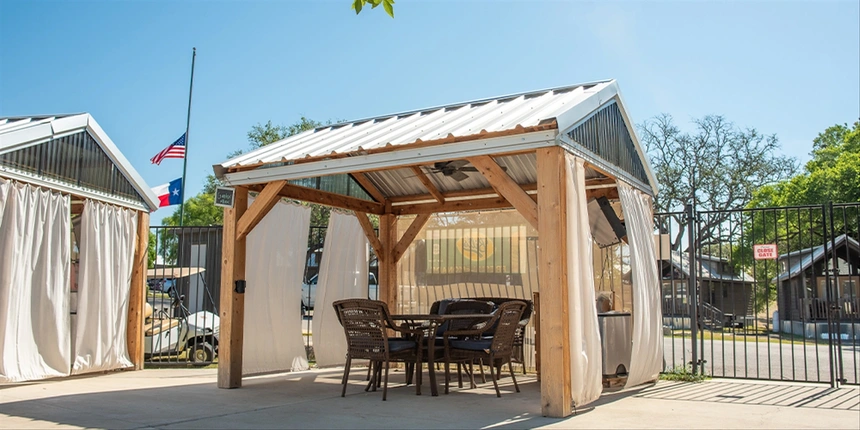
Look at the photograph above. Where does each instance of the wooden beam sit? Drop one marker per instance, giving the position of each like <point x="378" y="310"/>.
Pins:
<point x="387" y="264"/>
<point x="264" y="202"/>
<point x="506" y="187"/>
<point x="552" y="260"/>
<point x="232" y="303"/>
<point x="137" y="293"/>
<point x="368" y="186"/>
<point x="369" y="231"/>
<point x="609" y="193"/>
<point x="455" y="206"/>
<point x="331" y="199"/>
<point x="413" y="230"/>
<point x="454" y="194"/>
<point x="428" y="184"/>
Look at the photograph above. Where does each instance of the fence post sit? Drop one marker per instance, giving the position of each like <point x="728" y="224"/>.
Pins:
<point x="833" y="311"/>
<point x="692" y="285"/>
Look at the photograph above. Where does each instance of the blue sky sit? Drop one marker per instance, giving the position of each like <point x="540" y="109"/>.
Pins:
<point x="789" y="68"/>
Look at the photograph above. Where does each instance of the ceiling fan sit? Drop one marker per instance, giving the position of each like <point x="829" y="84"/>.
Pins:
<point x="454" y="169"/>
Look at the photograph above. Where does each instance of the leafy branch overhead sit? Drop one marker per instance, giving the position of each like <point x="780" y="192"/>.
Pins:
<point x="388" y="5"/>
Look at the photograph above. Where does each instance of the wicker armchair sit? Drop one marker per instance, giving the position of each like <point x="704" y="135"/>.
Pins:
<point x="366" y="324"/>
<point x="467" y="346"/>
<point x="519" y="337"/>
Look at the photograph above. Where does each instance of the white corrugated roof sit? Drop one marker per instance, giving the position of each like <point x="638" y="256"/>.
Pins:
<point x="458" y="120"/>
<point x="510" y="124"/>
<point x="21" y="132"/>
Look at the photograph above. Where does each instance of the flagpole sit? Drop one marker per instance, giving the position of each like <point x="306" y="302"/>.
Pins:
<point x="187" y="127"/>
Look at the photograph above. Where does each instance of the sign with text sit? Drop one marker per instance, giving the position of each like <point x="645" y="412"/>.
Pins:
<point x="765" y="252"/>
<point x="224" y="197"/>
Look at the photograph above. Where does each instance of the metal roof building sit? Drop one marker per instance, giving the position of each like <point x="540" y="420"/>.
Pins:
<point x="69" y="158"/>
<point x="71" y="154"/>
<point x="543" y="153"/>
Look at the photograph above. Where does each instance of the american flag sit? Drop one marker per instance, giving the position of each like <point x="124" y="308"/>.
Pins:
<point x="175" y="150"/>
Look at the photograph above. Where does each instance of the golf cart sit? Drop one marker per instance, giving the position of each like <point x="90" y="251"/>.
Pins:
<point x="170" y="329"/>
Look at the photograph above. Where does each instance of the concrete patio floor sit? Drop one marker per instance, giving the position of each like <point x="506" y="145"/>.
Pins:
<point x="188" y="398"/>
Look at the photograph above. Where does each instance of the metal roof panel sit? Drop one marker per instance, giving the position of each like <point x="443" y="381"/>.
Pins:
<point x="458" y="120"/>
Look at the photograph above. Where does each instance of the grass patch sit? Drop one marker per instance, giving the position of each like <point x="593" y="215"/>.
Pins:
<point x="683" y="374"/>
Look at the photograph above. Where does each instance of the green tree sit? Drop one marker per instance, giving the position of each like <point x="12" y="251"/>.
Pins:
<point x="716" y="167"/>
<point x="388" y="5"/>
<point x="832" y="175"/>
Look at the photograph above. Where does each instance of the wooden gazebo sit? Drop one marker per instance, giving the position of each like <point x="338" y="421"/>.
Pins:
<point x="410" y="164"/>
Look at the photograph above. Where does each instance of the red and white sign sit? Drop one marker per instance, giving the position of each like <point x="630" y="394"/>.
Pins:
<point x="765" y="252"/>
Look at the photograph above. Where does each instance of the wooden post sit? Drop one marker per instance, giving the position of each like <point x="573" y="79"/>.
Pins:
<point x="137" y="293"/>
<point x="536" y="313"/>
<point x="552" y="259"/>
<point x="387" y="263"/>
<point x="232" y="303"/>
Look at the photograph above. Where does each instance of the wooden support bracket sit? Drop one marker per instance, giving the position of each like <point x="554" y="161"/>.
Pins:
<point x="264" y="202"/>
<point x="428" y="184"/>
<point x="368" y="229"/>
<point x="416" y="226"/>
<point x="507" y="188"/>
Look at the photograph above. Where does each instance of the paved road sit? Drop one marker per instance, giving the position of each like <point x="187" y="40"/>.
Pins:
<point x="764" y="360"/>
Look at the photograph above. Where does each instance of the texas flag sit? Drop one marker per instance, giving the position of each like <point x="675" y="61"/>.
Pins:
<point x="170" y="193"/>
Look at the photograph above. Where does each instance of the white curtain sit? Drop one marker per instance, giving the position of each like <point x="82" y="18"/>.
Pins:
<point x="108" y="236"/>
<point x="646" y="361"/>
<point x="35" y="244"/>
<point x="275" y="262"/>
<point x="343" y="274"/>
<point x="585" y="355"/>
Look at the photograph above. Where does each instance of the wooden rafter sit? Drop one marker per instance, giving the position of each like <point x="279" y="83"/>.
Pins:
<point x="264" y="202"/>
<point x="507" y="188"/>
<point x="368" y="186"/>
<point x="455" y="194"/>
<point x="454" y="206"/>
<point x="369" y="231"/>
<point x="329" y="199"/>
<point x="428" y="184"/>
<point x="408" y="236"/>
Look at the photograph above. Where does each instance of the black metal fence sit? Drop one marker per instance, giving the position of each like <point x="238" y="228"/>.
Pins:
<point x="181" y="323"/>
<point x="773" y="292"/>
<point x="754" y="293"/>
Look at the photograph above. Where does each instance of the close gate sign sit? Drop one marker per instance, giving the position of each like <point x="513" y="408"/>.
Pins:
<point x="765" y="252"/>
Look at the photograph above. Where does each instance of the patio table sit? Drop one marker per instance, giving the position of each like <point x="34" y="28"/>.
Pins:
<point x="431" y="322"/>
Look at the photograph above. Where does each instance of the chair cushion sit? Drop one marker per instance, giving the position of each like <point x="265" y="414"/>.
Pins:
<point x="471" y="345"/>
<point x="400" y="345"/>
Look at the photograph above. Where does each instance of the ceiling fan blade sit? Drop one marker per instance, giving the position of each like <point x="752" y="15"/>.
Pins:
<point x="458" y="175"/>
<point x="468" y="169"/>
<point x="457" y="164"/>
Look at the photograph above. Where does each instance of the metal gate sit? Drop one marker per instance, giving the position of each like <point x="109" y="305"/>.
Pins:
<point x="773" y="292"/>
<point x="183" y="281"/>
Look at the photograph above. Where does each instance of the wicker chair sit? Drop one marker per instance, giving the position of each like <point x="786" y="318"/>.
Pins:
<point x="467" y="346"/>
<point x="366" y="324"/>
<point x="519" y="337"/>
